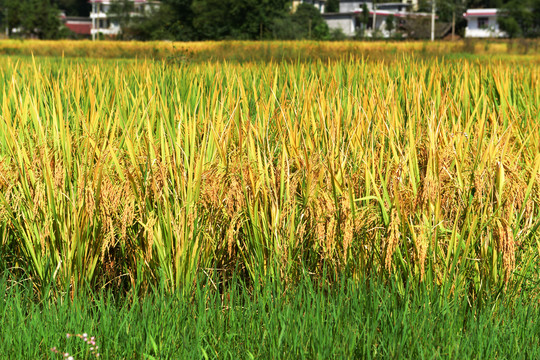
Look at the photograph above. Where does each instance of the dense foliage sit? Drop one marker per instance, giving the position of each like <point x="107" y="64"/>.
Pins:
<point x="211" y="19"/>
<point x="521" y="18"/>
<point x="32" y="18"/>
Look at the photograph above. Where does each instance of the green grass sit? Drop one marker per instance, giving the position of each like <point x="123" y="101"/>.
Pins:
<point x="346" y="320"/>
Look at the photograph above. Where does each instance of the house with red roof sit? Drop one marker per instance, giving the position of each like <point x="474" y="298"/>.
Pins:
<point x="103" y="21"/>
<point x="81" y="26"/>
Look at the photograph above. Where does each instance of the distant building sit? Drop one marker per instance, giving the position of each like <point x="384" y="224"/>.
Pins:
<point x="103" y="20"/>
<point x="350" y="16"/>
<point x="319" y="4"/>
<point x="482" y="23"/>
<point x="351" y="5"/>
<point x="81" y="26"/>
<point x="412" y="3"/>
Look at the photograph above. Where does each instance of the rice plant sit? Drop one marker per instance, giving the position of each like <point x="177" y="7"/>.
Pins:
<point x="129" y="173"/>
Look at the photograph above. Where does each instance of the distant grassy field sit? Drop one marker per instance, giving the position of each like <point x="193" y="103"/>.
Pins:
<point x="265" y="51"/>
<point x="411" y="167"/>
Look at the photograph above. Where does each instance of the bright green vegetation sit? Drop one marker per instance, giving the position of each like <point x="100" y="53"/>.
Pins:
<point x="417" y="175"/>
<point x="347" y="320"/>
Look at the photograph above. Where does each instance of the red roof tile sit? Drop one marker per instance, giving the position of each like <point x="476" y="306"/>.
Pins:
<point x="80" y="28"/>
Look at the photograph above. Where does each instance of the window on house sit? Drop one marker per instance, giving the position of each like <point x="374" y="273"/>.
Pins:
<point x="483" y="22"/>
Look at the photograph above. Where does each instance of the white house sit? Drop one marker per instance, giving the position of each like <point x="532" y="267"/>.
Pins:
<point x="319" y="4"/>
<point x="482" y="23"/>
<point x="351" y="5"/>
<point x="350" y="15"/>
<point x="101" y="15"/>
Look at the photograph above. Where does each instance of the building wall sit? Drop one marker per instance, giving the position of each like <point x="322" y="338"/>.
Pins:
<point x="100" y="15"/>
<point x="344" y="22"/>
<point x="472" y="22"/>
<point x="352" y="5"/>
<point x="491" y="30"/>
<point x="347" y="24"/>
<point x="349" y="5"/>
<point x="319" y="4"/>
<point x="414" y="4"/>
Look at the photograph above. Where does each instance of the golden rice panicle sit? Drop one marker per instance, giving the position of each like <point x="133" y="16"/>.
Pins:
<point x="506" y="246"/>
<point x="430" y="188"/>
<point x="232" y="232"/>
<point x="514" y="192"/>
<point x="348" y="228"/>
<point x="128" y="217"/>
<point x="149" y="232"/>
<point x="422" y="244"/>
<point x="509" y="255"/>
<point x="392" y="239"/>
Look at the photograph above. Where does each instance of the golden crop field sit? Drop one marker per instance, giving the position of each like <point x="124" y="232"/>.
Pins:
<point x="133" y="171"/>
<point x="266" y="51"/>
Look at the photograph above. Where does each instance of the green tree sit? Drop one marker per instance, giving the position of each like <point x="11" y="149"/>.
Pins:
<point x="211" y="18"/>
<point x="520" y="18"/>
<point x="471" y="4"/>
<point x="332" y="6"/>
<point x="311" y="23"/>
<point x="32" y="18"/>
<point x="390" y="24"/>
<point x="363" y="21"/>
<point x="74" y="7"/>
<point x="284" y="28"/>
<point x="249" y="19"/>
<point x="451" y="11"/>
<point x="424" y="6"/>
<point x="172" y="20"/>
<point x="177" y="19"/>
<point x="120" y="14"/>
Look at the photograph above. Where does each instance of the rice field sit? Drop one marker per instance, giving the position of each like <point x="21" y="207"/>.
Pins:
<point x="414" y="170"/>
<point x="276" y="51"/>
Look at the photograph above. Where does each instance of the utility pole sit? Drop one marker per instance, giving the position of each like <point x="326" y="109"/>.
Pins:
<point x="432" y="20"/>
<point x="453" y="23"/>
<point x="374" y="19"/>
<point x="7" y="24"/>
<point x="93" y="21"/>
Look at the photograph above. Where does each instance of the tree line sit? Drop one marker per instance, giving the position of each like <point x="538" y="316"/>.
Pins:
<point x="185" y="20"/>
